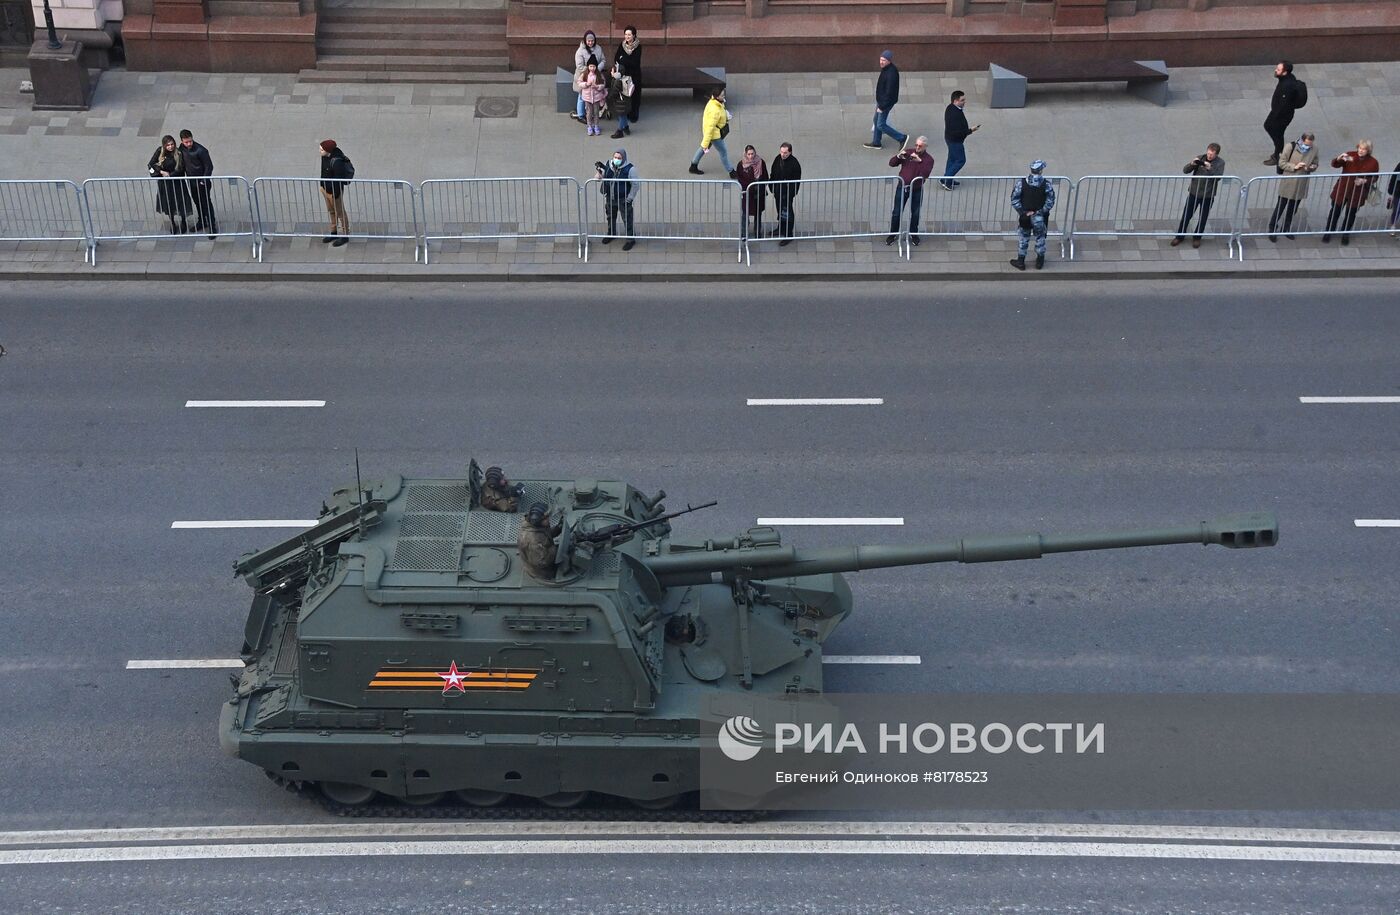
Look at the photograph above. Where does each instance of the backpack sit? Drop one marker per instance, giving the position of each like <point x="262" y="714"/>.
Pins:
<point x="1300" y="94"/>
<point x="349" y="167"/>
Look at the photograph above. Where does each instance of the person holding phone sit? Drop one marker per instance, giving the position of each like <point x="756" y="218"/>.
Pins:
<point x="955" y="133"/>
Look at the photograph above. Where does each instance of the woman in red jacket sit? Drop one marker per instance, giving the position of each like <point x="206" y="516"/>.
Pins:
<point x="1359" y="172"/>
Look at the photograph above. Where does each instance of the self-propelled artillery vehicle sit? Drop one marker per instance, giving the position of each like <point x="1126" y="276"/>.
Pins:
<point x="401" y="651"/>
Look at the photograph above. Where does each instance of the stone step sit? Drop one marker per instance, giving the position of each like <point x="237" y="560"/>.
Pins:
<point x="389" y="45"/>
<point x="412" y="63"/>
<point x="415" y="16"/>
<point x="420" y="31"/>
<point x="409" y="76"/>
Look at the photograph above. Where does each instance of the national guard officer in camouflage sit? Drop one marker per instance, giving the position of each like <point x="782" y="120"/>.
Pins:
<point x="536" y="541"/>
<point x="498" y="494"/>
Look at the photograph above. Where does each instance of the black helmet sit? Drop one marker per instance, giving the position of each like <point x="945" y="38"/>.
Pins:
<point x="494" y="475"/>
<point x="536" y="512"/>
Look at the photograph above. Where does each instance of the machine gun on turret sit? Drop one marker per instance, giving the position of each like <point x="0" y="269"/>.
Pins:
<point x="612" y="532"/>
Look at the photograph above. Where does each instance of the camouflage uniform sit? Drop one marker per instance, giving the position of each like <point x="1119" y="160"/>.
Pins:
<point x="499" y="500"/>
<point x="537" y="548"/>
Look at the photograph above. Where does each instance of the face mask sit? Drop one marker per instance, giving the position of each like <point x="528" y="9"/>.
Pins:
<point x="1304" y="147"/>
<point x="617" y="162"/>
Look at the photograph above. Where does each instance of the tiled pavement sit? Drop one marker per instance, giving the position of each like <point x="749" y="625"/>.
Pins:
<point x="269" y="124"/>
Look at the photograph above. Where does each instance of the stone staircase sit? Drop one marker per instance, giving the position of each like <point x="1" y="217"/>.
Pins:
<point x="409" y="44"/>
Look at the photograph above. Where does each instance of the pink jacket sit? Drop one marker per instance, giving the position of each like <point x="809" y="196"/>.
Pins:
<point x="595" y="90"/>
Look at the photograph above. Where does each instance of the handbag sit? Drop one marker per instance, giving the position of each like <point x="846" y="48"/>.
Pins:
<point x="1373" y="197"/>
<point x="724" y="131"/>
<point x="628" y="86"/>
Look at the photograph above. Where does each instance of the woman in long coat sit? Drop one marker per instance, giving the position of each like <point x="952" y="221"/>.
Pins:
<point x="751" y="170"/>
<point x="1300" y="158"/>
<point x="1350" y="192"/>
<point x="172" y="197"/>
<point x="588" y="49"/>
<point x="629" y="54"/>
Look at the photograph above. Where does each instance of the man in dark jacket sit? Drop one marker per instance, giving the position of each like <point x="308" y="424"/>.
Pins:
<point x="335" y="172"/>
<point x="886" y="95"/>
<point x="1206" y="170"/>
<point x="785" y="167"/>
<point x="955" y="131"/>
<point x="199" y="164"/>
<point x="1287" y="95"/>
<point x="915" y="165"/>
<point x="619" y="188"/>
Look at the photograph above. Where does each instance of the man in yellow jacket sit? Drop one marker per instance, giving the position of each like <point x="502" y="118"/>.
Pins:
<point x="713" y="129"/>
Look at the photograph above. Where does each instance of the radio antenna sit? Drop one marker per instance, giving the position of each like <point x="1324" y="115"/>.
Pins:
<point x="359" y="495"/>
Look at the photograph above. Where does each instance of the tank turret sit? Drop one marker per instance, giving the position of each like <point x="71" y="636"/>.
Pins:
<point x="407" y="647"/>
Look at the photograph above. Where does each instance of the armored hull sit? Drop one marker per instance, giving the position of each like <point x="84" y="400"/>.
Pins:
<point x="402" y="649"/>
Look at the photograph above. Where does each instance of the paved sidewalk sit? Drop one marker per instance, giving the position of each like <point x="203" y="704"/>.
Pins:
<point x="268" y="125"/>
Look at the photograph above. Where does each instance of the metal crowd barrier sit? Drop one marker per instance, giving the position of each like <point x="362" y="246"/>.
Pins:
<point x="43" y="211"/>
<point x="130" y="209"/>
<point x="835" y="208"/>
<point x="668" y="209"/>
<point x="381" y="209"/>
<point x="1148" y="206"/>
<point x="478" y="209"/>
<point x="979" y="206"/>
<point x="1264" y="213"/>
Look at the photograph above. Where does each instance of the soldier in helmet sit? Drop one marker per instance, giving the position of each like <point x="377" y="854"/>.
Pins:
<point x="536" y="541"/>
<point x="498" y="494"/>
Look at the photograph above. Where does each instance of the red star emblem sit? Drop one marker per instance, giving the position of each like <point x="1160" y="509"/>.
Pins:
<point x="452" y="679"/>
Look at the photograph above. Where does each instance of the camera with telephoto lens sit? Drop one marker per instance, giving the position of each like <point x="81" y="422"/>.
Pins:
<point x="599" y="166"/>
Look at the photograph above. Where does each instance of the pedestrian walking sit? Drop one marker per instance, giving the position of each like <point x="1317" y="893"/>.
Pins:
<point x="1290" y="94"/>
<point x="336" y="172"/>
<point x="915" y="165"/>
<point x="753" y="196"/>
<point x="714" y="127"/>
<point x="200" y="166"/>
<point x="1206" y="171"/>
<point x="886" y="97"/>
<point x="172" y="194"/>
<point x="588" y="49"/>
<point x="593" y="89"/>
<point x="619" y="186"/>
<point x="1392" y="202"/>
<point x="788" y="170"/>
<point x="1032" y="197"/>
<point x="629" y="53"/>
<point x="1300" y="159"/>
<point x="1360" y="172"/>
<point x="955" y="133"/>
<point x="620" y="89"/>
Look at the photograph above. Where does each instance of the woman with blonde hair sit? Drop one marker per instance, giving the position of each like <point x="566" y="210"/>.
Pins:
<point x="1359" y="173"/>
<point x="172" y="196"/>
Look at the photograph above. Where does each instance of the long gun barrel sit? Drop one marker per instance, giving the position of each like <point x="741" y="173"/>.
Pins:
<point x="683" y="567"/>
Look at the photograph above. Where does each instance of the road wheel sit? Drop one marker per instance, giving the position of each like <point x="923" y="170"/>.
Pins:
<point x="422" y="800"/>
<point x="479" y="798"/>
<point x="347" y="794"/>
<point x="564" y="799"/>
<point x="656" y="803"/>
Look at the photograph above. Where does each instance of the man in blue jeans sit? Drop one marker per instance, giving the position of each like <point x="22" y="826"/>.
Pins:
<point x="955" y="131"/>
<point x="886" y="95"/>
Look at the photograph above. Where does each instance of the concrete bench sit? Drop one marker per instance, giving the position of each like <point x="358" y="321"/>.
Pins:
<point x="701" y="81"/>
<point x="1145" y="78"/>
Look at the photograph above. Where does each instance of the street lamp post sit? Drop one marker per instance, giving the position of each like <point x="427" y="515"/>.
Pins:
<point x="54" y="43"/>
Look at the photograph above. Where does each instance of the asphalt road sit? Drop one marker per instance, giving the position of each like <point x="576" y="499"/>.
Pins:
<point x="1007" y="408"/>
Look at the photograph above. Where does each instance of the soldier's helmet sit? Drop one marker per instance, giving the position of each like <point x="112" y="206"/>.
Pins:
<point x="495" y="476"/>
<point x="535" y="514"/>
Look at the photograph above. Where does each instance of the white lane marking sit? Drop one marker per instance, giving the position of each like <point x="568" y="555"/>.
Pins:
<point x="1377" y="522"/>
<point x="255" y="403"/>
<point x="815" y="401"/>
<point x="183" y="663"/>
<point x="828" y="521"/>
<point x="421" y="829"/>
<point x="872" y="659"/>
<point x="708" y="846"/>
<point x="202" y="525"/>
<point x="1386" y="399"/>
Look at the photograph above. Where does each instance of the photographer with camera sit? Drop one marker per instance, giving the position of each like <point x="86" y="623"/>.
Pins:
<point x="1206" y="171"/>
<point x="619" y="186"/>
<point x="499" y="494"/>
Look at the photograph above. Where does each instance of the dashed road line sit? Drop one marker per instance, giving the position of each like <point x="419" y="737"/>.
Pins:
<point x="184" y="663"/>
<point x="1384" y="399"/>
<point x="824" y="522"/>
<point x="872" y="659"/>
<point x="255" y="403"/>
<point x="1377" y="522"/>
<point x="815" y="401"/>
<point x="207" y="525"/>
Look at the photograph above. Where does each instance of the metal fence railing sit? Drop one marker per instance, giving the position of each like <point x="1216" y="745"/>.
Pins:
<point x="1313" y="205"/>
<point x="42" y="211"/>
<point x="479" y="209"/>
<point x="375" y="208"/>
<point x="1152" y="206"/>
<point x="980" y="206"/>
<point x="131" y="209"/>
<point x="663" y="209"/>
<point x="828" y="208"/>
